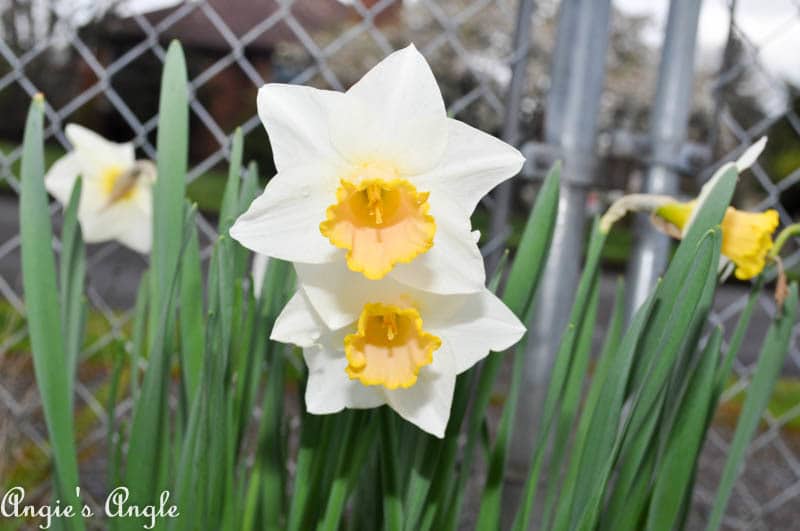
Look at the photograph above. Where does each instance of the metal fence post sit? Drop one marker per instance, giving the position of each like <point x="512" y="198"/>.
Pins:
<point x="578" y="74"/>
<point x="519" y="63"/>
<point x="668" y="132"/>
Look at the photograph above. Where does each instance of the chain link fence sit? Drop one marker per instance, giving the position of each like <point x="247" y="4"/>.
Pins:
<point x="101" y="68"/>
<point x="750" y="100"/>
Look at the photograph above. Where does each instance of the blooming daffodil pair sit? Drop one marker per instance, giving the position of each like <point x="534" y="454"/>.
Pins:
<point x="116" y="193"/>
<point x="372" y="204"/>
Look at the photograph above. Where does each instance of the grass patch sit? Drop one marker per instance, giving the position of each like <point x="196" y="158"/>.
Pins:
<point x="785" y="398"/>
<point x="15" y="341"/>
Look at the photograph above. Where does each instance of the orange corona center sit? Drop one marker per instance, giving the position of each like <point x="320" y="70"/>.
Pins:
<point x="380" y="223"/>
<point x="389" y="347"/>
<point x="117" y="184"/>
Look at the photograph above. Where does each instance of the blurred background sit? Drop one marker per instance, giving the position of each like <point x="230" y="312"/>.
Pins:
<point x="632" y="95"/>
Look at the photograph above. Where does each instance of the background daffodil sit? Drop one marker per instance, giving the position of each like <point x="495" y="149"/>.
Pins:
<point x="746" y="236"/>
<point x="378" y="177"/>
<point x="116" y="197"/>
<point x="369" y="343"/>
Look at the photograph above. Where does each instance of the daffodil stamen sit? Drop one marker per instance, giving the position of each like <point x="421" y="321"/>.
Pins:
<point x="389" y="347"/>
<point x="375" y="202"/>
<point x="379" y="222"/>
<point x="390" y="323"/>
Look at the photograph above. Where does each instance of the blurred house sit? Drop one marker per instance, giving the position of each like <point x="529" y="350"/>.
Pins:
<point x="209" y="35"/>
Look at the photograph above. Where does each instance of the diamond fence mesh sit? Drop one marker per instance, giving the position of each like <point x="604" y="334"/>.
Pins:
<point x="101" y="69"/>
<point x="748" y="101"/>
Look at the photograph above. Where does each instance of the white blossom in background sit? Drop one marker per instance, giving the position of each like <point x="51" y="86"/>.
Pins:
<point x="368" y="343"/>
<point x="378" y="177"/>
<point x="116" y="197"/>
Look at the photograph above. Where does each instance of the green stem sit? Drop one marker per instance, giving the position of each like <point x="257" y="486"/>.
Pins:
<point x="390" y="478"/>
<point x="785" y="234"/>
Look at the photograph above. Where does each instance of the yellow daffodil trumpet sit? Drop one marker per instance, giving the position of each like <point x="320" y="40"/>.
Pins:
<point x="746" y="236"/>
<point x="389" y="347"/>
<point x="380" y="224"/>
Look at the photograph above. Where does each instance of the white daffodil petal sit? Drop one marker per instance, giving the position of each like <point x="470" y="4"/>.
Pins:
<point x="482" y="323"/>
<point x="427" y="404"/>
<point x="135" y="224"/>
<point x="297" y="323"/>
<point x="99" y="221"/>
<point x="96" y="228"/>
<point x="283" y="222"/>
<point x="454" y="264"/>
<point x="473" y="163"/>
<point x="750" y="154"/>
<point x="395" y="111"/>
<point x="138" y="234"/>
<point x="297" y="120"/>
<point x="338" y="295"/>
<point x="96" y="154"/>
<point x="329" y="389"/>
<point x="334" y="310"/>
<point x="123" y="221"/>
<point x="61" y="177"/>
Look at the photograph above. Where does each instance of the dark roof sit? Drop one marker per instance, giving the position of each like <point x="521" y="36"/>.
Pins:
<point x="196" y="29"/>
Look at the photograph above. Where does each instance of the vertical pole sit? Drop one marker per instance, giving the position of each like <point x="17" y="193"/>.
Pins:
<point x="578" y="74"/>
<point x="670" y="119"/>
<point x="519" y="63"/>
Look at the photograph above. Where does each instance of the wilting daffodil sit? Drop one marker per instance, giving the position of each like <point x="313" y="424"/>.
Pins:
<point x="746" y="236"/>
<point x="116" y="196"/>
<point x="369" y="343"/>
<point x="378" y="177"/>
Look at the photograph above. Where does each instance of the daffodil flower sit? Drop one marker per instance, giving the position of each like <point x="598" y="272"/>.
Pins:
<point x="746" y="236"/>
<point x="368" y="343"/>
<point x="116" y="196"/>
<point x="378" y="177"/>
